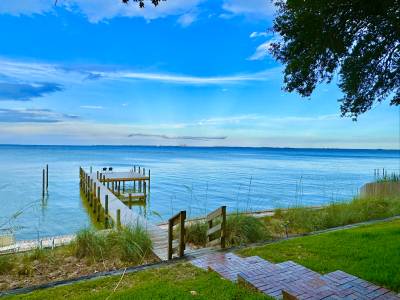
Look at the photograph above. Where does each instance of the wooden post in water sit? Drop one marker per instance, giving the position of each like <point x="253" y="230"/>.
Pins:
<point x="144" y="190"/>
<point x="47" y="177"/>
<point x="86" y="186"/>
<point x="98" y="202"/>
<point x="91" y="192"/>
<point x="119" y="188"/>
<point x="106" y="212"/>
<point x="43" y="182"/>
<point x="149" y="181"/>
<point x="130" y="201"/>
<point x="123" y="186"/>
<point x="98" y="175"/>
<point x="118" y="219"/>
<point x="95" y="198"/>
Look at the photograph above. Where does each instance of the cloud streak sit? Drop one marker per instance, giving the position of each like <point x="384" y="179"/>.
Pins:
<point x="99" y="10"/>
<point x="252" y="9"/>
<point x="184" y="137"/>
<point x="27" y="91"/>
<point x="33" y="116"/>
<point x="194" y="80"/>
<point x="40" y="72"/>
<point x="91" y="107"/>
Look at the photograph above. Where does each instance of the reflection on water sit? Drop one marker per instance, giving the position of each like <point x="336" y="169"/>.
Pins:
<point x="193" y="179"/>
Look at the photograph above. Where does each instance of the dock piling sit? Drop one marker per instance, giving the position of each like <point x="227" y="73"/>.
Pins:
<point x="47" y="177"/>
<point x="118" y="219"/>
<point x="106" y="212"/>
<point x="149" y="182"/>
<point x="43" y="182"/>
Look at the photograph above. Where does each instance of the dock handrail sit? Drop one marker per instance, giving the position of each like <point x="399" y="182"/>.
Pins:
<point x="219" y="228"/>
<point x="179" y="218"/>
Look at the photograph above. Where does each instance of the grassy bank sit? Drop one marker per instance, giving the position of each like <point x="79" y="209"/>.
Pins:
<point x="381" y="202"/>
<point x="240" y="229"/>
<point x="89" y="253"/>
<point x="378" y="201"/>
<point x="370" y="252"/>
<point x="176" y="282"/>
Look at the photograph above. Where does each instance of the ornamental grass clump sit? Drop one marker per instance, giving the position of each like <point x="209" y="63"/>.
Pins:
<point x="7" y="263"/>
<point x="131" y="244"/>
<point x="128" y="244"/>
<point x="196" y="233"/>
<point x="244" y="229"/>
<point x="90" y="244"/>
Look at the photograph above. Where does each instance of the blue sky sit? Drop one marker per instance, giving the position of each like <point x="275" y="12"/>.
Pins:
<point x="191" y="72"/>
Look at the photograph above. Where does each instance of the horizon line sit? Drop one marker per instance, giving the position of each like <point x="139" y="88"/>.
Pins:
<point x="187" y="146"/>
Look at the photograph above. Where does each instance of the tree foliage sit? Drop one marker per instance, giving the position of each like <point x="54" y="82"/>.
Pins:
<point x="356" y="40"/>
<point x="141" y="2"/>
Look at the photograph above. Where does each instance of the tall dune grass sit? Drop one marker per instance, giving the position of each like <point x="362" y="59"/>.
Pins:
<point x="129" y="244"/>
<point x="240" y="229"/>
<point x="380" y="202"/>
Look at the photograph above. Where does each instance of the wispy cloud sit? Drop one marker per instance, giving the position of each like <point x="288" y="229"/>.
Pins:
<point x="262" y="51"/>
<point x="187" y="19"/>
<point x="27" y="91"/>
<point x="91" y="107"/>
<point x="99" y="10"/>
<point x="253" y="8"/>
<point x="33" y="116"/>
<point x="227" y="120"/>
<point x="184" y="137"/>
<point x="256" y="34"/>
<point x="195" y="80"/>
<point x="24" y="71"/>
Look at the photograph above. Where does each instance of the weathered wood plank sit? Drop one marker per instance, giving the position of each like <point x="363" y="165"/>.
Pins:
<point x="215" y="242"/>
<point x="215" y="229"/>
<point x="216" y="213"/>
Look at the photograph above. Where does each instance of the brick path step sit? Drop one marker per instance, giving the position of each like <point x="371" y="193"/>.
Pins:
<point x="289" y="280"/>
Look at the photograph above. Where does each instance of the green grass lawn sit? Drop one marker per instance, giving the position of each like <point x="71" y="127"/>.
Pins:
<point x="182" y="281"/>
<point x="370" y="252"/>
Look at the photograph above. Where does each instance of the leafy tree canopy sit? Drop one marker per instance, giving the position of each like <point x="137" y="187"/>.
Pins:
<point x="141" y="2"/>
<point x="356" y="40"/>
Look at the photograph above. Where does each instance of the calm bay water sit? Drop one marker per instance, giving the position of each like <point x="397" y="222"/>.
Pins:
<point x="183" y="178"/>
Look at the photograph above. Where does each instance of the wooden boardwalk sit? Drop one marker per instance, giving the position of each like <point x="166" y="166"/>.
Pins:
<point x="128" y="217"/>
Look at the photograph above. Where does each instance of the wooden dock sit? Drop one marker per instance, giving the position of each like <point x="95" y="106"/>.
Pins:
<point x="104" y="201"/>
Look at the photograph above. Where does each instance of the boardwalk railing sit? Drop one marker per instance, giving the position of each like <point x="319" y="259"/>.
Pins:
<point x="178" y="219"/>
<point x="91" y="190"/>
<point x="218" y="229"/>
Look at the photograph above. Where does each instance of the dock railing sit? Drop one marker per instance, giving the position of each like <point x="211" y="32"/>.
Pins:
<point x="178" y="219"/>
<point x="218" y="229"/>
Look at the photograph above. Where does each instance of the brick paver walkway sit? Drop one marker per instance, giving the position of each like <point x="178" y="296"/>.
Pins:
<point x="289" y="280"/>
